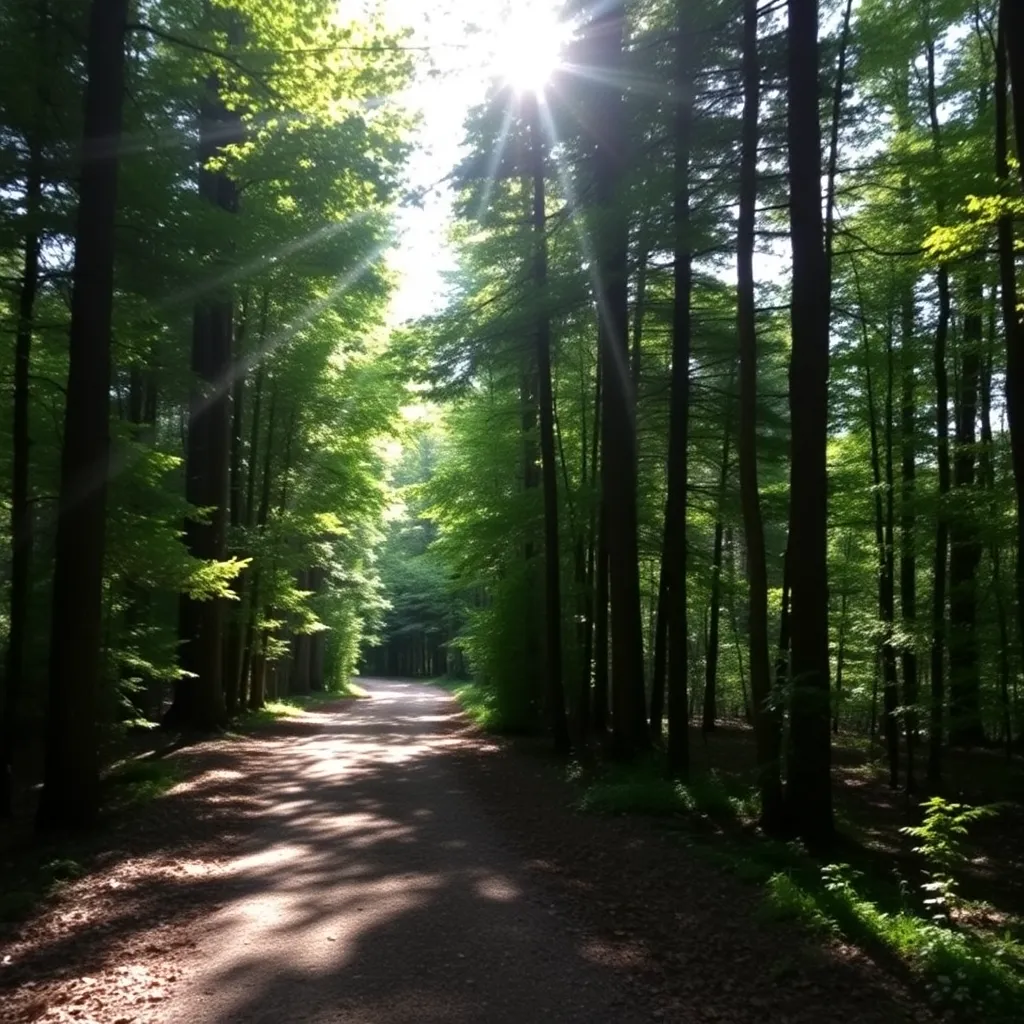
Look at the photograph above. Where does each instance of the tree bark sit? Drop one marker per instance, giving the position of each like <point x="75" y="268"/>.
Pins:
<point x="908" y="523"/>
<point x="70" y="796"/>
<point x="809" y="786"/>
<point x="765" y="710"/>
<point x="542" y="341"/>
<point x="709" y="716"/>
<point x="1010" y="49"/>
<point x="21" y="510"/>
<point x="675" y="539"/>
<point x="619" y="479"/>
<point x="199" y="694"/>
<point x="965" y="724"/>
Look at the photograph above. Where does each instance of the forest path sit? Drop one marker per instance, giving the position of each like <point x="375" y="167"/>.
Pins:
<point x="380" y="861"/>
<point x="375" y="890"/>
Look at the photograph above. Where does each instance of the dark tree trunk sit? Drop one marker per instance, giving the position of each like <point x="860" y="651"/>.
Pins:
<point x="1011" y="47"/>
<point x="765" y="710"/>
<point x="841" y="645"/>
<point x="965" y="725"/>
<point x="809" y="787"/>
<point x="936" y="716"/>
<point x="21" y="510"/>
<point x="255" y="641"/>
<point x="233" y="646"/>
<point x="937" y="664"/>
<point x="586" y="708"/>
<point x="675" y="540"/>
<point x="199" y="695"/>
<point x="601" y="625"/>
<point x="619" y="478"/>
<point x="709" y="716"/>
<point x="657" y="717"/>
<point x="1011" y="28"/>
<point x="908" y="523"/>
<point x="549" y="472"/>
<point x="887" y="573"/>
<point x="70" y="796"/>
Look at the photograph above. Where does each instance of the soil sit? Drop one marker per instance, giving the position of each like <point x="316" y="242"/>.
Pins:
<point x="379" y="861"/>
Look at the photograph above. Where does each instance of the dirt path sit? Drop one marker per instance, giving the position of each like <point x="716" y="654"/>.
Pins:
<point x="357" y="881"/>
<point x="379" y="862"/>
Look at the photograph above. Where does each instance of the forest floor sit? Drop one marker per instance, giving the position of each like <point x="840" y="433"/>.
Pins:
<point x="381" y="861"/>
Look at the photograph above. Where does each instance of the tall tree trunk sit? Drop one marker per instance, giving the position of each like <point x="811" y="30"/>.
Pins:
<point x="675" y="539"/>
<point x="809" y="786"/>
<point x="887" y="585"/>
<point x="199" y="695"/>
<point x="765" y="710"/>
<point x="255" y="639"/>
<point x="841" y="643"/>
<point x="586" y="703"/>
<point x="236" y="511"/>
<point x="619" y="479"/>
<point x="937" y="664"/>
<point x="658" y="672"/>
<point x="1011" y="27"/>
<point x="908" y="522"/>
<point x="709" y="717"/>
<point x="965" y="724"/>
<point x="601" y="626"/>
<point x="70" y="796"/>
<point x="21" y="510"/>
<point x="542" y="340"/>
<point x="1011" y="45"/>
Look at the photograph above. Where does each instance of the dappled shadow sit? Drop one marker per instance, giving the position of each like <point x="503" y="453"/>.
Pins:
<point x="376" y="861"/>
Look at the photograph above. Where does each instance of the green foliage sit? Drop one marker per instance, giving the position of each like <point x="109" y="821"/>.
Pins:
<point x="980" y="976"/>
<point x="941" y="837"/>
<point x="647" y="791"/>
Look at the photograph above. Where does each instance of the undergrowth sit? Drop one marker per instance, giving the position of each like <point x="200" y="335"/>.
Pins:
<point x="296" y="706"/>
<point x="645" y="790"/>
<point x="479" y="703"/>
<point x="963" y="971"/>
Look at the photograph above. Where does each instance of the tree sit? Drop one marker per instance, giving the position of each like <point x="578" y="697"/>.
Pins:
<point x="809" y="792"/>
<point x="70" y="794"/>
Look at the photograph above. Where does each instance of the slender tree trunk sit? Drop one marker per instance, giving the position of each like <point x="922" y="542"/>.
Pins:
<point x="199" y="694"/>
<point x="937" y="663"/>
<point x="658" y="671"/>
<point x="233" y="645"/>
<point x="709" y="717"/>
<point x="70" y="796"/>
<point x="601" y="625"/>
<point x="809" y="784"/>
<point x="619" y="479"/>
<point x="675" y="539"/>
<point x="1011" y="47"/>
<point x="21" y="510"/>
<point x="908" y="523"/>
<point x="1011" y="28"/>
<point x="765" y="710"/>
<point x="542" y="332"/>
<point x="887" y="586"/>
<point x="255" y="641"/>
<point x="587" y="709"/>
<point x="841" y="647"/>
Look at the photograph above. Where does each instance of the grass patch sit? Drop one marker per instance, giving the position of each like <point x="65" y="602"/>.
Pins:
<point x="295" y="706"/>
<point x="477" y="702"/>
<point x="23" y="894"/>
<point x="139" y="781"/>
<point x="645" y="790"/>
